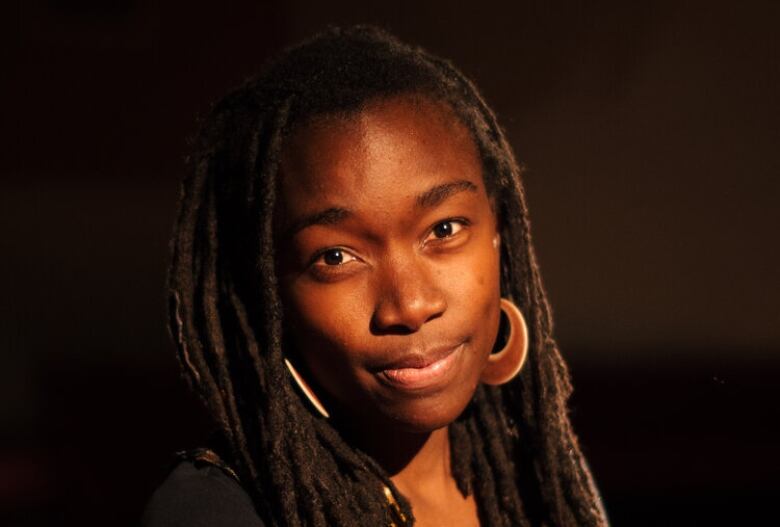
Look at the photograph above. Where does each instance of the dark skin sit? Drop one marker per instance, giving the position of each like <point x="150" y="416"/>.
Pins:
<point x="389" y="270"/>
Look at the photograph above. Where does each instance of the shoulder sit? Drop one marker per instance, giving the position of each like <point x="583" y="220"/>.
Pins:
<point x="199" y="495"/>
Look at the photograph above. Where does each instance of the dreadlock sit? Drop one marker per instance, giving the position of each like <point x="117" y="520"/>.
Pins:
<point x="513" y="447"/>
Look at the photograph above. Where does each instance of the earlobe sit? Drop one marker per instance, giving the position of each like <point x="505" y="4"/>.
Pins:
<point x="504" y="365"/>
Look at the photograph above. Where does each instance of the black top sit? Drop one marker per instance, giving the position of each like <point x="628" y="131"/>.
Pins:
<point x="200" y="495"/>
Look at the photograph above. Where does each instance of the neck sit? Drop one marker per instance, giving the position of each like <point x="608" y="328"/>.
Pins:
<point x="429" y="466"/>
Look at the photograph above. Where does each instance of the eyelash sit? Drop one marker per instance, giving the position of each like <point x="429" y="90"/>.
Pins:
<point x="461" y="221"/>
<point x="329" y="268"/>
<point x="322" y="254"/>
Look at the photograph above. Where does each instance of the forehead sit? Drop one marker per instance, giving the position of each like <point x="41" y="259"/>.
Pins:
<point x="376" y="159"/>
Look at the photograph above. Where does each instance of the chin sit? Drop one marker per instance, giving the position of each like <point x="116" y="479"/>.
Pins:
<point x="428" y="413"/>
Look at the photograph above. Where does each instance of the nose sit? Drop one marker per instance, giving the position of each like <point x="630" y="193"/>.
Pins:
<point x="408" y="298"/>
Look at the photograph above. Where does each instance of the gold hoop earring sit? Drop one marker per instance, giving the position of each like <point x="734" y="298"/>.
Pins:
<point x="504" y="365"/>
<point x="306" y="389"/>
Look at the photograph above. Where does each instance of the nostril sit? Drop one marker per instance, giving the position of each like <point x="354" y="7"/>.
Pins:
<point x="390" y="318"/>
<point x="391" y="329"/>
<point x="435" y="315"/>
<point x="408" y="297"/>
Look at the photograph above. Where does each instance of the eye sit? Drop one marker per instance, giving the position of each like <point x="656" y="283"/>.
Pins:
<point x="446" y="229"/>
<point x="334" y="257"/>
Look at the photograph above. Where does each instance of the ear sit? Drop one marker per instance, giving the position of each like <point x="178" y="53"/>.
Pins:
<point x="504" y="365"/>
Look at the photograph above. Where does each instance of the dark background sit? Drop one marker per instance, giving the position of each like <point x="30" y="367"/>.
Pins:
<point x="650" y="132"/>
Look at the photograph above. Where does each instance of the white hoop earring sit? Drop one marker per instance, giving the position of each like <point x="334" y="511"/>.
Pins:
<point x="504" y="365"/>
<point x="306" y="389"/>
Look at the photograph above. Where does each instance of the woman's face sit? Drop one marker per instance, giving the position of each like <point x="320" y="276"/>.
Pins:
<point x="388" y="262"/>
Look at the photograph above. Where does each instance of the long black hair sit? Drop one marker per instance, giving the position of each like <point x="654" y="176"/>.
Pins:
<point x="513" y="447"/>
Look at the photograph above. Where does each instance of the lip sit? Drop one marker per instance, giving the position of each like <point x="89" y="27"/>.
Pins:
<point x="419" y="371"/>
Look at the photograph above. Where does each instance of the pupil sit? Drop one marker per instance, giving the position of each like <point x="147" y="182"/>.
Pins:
<point x="443" y="230"/>
<point x="334" y="257"/>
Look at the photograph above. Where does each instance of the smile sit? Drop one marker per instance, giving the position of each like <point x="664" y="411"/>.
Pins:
<point x="417" y="372"/>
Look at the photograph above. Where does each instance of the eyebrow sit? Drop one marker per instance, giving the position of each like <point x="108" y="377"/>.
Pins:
<point x="331" y="216"/>
<point x="428" y="199"/>
<point x="436" y="195"/>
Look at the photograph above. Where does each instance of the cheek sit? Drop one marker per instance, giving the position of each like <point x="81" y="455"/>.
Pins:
<point x="327" y="317"/>
<point x="474" y="294"/>
<point x="326" y="336"/>
<point x="478" y="274"/>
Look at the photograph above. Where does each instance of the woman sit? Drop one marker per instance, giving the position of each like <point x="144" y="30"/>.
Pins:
<point x="353" y="293"/>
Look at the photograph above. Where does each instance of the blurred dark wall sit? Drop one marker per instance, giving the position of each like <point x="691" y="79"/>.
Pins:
<point x="650" y="135"/>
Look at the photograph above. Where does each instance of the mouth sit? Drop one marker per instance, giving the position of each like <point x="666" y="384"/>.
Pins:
<point x="416" y="372"/>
